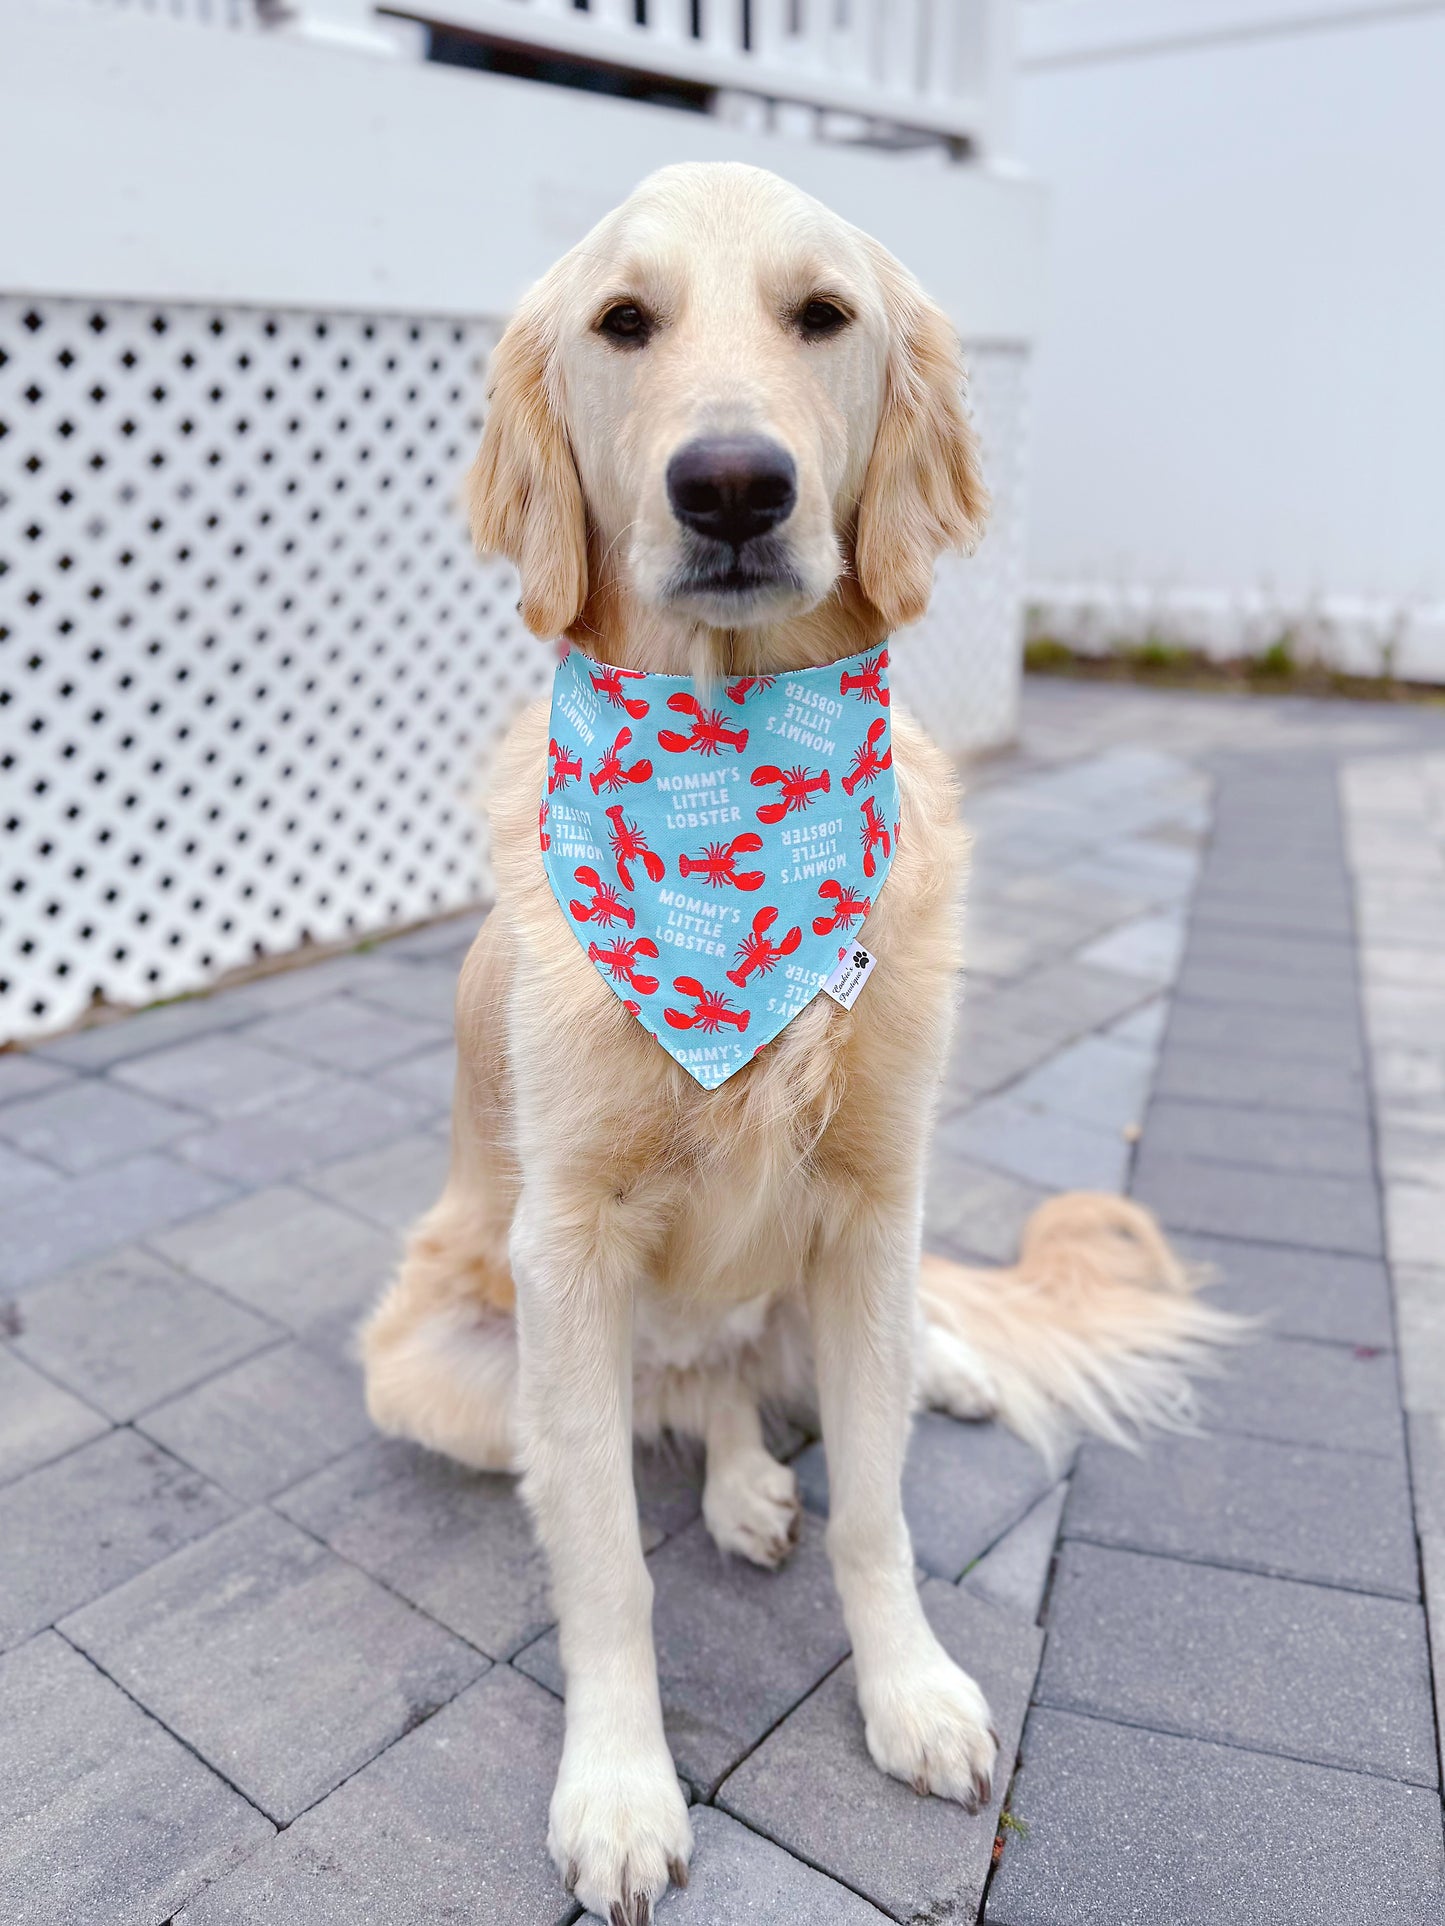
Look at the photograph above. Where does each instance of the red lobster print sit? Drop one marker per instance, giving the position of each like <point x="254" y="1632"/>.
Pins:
<point x="606" y="907"/>
<point x="758" y="952"/>
<point x="875" y="836"/>
<point x="738" y="691"/>
<point x="565" y="766"/>
<point x="619" y="959"/>
<point x="608" y="683"/>
<point x="848" y="908"/>
<point x="867" y="683"/>
<point x="716" y="863"/>
<point x="868" y="765"/>
<point x="710" y="1010"/>
<point x="708" y="733"/>
<point x="628" y="846"/>
<point x="544" y="835"/>
<point x="610" y="774"/>
<point x="799" y="786"/>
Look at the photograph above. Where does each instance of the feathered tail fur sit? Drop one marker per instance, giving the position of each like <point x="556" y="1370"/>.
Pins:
<point x="1095" y="1327"/>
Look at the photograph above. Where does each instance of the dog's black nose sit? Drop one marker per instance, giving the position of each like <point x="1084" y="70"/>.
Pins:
<point x="732" y="487"/>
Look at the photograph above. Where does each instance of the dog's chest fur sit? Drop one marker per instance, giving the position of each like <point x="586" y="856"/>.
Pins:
<point x="728" y="1194"/>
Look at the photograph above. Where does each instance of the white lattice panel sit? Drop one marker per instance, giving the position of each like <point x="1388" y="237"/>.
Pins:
<point x="250" y="666"/>
<point x="958" y="669"/>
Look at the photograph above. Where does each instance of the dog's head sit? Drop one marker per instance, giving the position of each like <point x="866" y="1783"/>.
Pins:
<point x="726" y="400"/>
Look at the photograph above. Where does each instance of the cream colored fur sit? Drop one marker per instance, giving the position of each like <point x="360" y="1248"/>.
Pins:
<point x="618" y="1250"/>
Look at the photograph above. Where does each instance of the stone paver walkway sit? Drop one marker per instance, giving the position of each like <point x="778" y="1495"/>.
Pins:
<point x="257" y="1664"/>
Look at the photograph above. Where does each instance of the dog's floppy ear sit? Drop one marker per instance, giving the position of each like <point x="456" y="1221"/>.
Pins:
<point x="523" y="495"/>
<point x="923" y="492"/>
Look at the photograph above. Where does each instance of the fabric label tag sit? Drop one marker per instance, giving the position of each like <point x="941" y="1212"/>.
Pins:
<point x="854" y="969"/>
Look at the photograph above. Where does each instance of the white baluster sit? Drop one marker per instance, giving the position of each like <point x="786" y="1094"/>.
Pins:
<point x="722" y="29"/>
<point x="669" y="22"/>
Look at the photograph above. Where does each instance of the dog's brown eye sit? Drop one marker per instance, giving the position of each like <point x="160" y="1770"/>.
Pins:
<point x="820" y="318"/>
<point x="626" y="323"/>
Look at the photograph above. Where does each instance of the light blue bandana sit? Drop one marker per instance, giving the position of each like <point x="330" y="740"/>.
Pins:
<point x="715" y="858"/>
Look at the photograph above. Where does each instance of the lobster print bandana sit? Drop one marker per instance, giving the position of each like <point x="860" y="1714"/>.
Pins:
<point x="714" y="857"/>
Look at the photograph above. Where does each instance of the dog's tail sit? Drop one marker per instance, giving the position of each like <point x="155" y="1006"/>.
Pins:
<point x="1096" y="1327"/>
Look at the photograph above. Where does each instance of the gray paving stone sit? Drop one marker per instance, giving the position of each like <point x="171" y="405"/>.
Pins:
<point x="293" y="1257"/>
<point x="1298" y="1391"/>
<point x="21" y="1177"/>
<point x="1284" y="1083"/>
<point x="1302" y="1208"/>
<point x="737" y="1648"/>
<point x="430" y="1077"/>
<point x="1149" y="947"/>
<point x="1336" y="1517"/>
<point x="1262" y="1139"/>
<point x="82" y="1125"/>
<point x="1098" y="1080"/>
<point x="129" y="1329"/>
<point x="964" y="1486"/>
<point x="457" y="1543"/>
<point x="447" y="937"/>
<point x="1237" y="1030"/>
<point x="104" y="1819"/>
<point x="91" y="1520"/>
<point x="38" y="1421"/>
<point x="268" y="1422"/>
<point x="668" y="1476"/>
<point x="344" y="1034"/>
<point x="1235" y="984"/>
<point x="1133" y="1828"/>
<point x="1040" y="1146"/>
<point x="1407" y="1080"/>
<point x="100" y="1210"/>
<point x="812" y="1786"/>
<point x="972" y="1211"/>
<point x="1420" y="1311"/>
<point x="1295" y="915"/>
<point x="1416" y="1225"/>
<point x="391" y="1186"/>
<point x="449" y="1824"/>
<point x="335" y="1118"/>
<point x="991" y="1052"/>
<point x="738" y="1875"/>
<point x="426" y="992"/>
<point x="1432" y="1569"/>
<point x="21" y="1075"/>
<point x="1014" y="1574"/>
<point x="1142" y="1028"/>
<point x="1312" y="1294"/>
<point x="284" y="1667"/>
<point x="1320" y="877"/>
<point x="100" y="1045"/>
<point x="1063" y="1000"/>
<point x="1427" y="1470"/>
<point x="1412" y="1147"/>
<point x="1263" y="1663"/>
<point x="221" y="1073"/>
<point x="1260" y="959"/>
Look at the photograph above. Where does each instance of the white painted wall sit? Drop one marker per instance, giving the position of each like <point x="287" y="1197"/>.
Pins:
<point x="1240" y="394"/>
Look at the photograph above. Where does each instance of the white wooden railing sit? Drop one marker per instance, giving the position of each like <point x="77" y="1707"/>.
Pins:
<point x="866" y="68"/>
<point x="880" y="70"/>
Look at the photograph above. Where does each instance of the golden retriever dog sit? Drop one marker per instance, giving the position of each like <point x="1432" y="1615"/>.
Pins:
<point x="618" y="1250"/>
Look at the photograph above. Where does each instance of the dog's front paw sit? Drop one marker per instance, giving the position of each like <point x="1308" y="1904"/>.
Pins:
<point x="931" y="1727"/>
<point x="750" y="1506"/>
<point x="618" y="1830"/>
